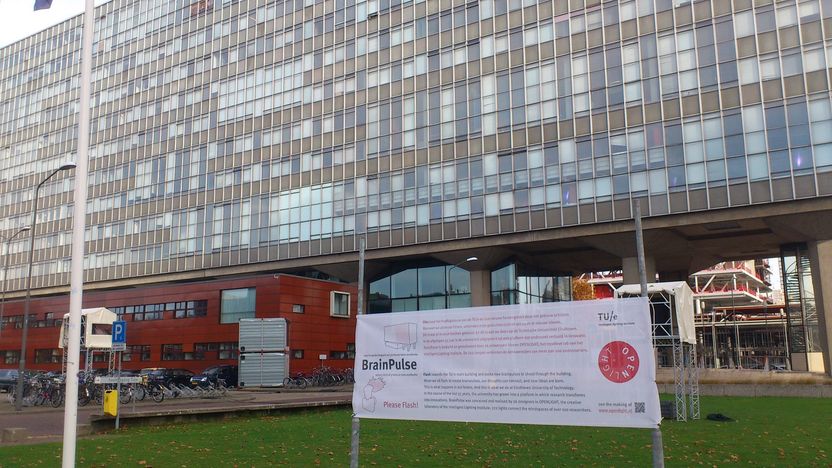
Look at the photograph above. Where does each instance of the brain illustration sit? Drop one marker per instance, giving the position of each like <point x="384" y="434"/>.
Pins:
<point x="376" y="384"/>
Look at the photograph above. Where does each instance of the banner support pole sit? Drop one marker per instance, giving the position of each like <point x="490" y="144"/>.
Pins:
<point x="658" y="445"/>
<point x="356" y="422"/>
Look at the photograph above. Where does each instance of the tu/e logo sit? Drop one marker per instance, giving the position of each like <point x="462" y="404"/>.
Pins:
<point x="607" y="316"/>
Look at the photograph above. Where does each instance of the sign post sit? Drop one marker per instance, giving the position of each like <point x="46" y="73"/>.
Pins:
<point x="658" y="444"/>
<point x="355" y="433"/>
<point x="119" y="345"/>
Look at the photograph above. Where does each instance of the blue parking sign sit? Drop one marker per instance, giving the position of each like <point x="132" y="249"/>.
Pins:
<point x="119" y="331"/>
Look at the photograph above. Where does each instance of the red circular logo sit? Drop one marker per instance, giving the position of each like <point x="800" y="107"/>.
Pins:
<point x="618" y="361"/>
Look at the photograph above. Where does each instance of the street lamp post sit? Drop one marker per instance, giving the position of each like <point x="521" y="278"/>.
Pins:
<point x="5" y="272"/>
<point x="18" y="401"/>
<point x="450" y="283"/>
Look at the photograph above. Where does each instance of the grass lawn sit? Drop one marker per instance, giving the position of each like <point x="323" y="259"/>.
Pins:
<point x="767" y="432"/>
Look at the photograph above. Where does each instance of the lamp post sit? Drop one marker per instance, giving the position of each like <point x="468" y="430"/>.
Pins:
<point x="450" y="283"/>
<point x="18" y="402"/>
<point x="5" y="264"/>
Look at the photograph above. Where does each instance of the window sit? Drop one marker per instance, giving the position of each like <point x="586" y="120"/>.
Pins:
<point x="298" y="308"/>
<point x="228" y="350"/>
<point x="136" y="353"/>
<point x="237" y="304"/>
<point x="10" y="357"/>
<point x="339" y="304"/>
<point x="47" y="356"/>
<point x="172" y="352"/>
<point x="188" y="309"/>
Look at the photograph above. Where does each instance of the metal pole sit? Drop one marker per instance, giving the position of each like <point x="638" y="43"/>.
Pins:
<point x="713" y="337"/>
<point x="356" y="423"/>
<point x="18" y="402"/>
<point x="658" y="445"/>
<point x="736" y="325"/>
<point x="118" y="391"/>
<point x="78" y="228"/>
<point x="6" y="272"/>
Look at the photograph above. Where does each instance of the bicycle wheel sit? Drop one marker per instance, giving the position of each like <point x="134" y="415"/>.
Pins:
<point x="157" y="394"/>
<point x="83" y="397"/>
<point x="98" y="396"/>
<point x="139" y="392"/>
<point x="56" y="397"/>
<point x="125" y="397"/>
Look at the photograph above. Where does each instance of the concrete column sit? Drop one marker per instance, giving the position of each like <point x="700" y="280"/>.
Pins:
<point x="480" y="288"/>
<point x="820" y="259"/>
<point x="630" y="267"/>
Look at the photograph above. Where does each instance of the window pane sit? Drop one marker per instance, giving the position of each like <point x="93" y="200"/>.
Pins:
<point x="237" y="304"/>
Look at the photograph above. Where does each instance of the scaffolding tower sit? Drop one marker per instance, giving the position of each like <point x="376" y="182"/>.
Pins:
<point x="674" y="339"/>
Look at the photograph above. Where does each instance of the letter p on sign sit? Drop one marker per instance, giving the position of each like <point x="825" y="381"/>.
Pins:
<point x="119" y="331"/>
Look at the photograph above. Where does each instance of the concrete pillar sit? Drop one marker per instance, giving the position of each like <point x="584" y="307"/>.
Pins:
<point x="630" y="267"/>
<point x="480" y="288"/>
<point x="820" y="259"/>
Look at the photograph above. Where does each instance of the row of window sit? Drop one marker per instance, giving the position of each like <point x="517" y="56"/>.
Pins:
<point x="16" y="321"/>
<point x="169" y="352"/>
<point x="182" y="309"/>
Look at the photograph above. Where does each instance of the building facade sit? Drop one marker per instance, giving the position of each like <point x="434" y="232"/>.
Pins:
<point x="194" y="325"/>
<point x="235" y="137"/>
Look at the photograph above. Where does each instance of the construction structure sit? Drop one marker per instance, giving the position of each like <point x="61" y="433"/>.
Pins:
<point x="96" y="338"/>
<point x="739" y="317"/>
<point x="674" y="339"/>
<point x="740" y="320"/>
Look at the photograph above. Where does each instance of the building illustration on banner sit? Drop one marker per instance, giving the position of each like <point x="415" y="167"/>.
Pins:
<point x="401" y="336"/>
<point x="373" y="386"/>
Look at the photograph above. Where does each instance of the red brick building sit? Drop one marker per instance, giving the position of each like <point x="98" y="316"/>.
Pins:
<point x="184" y="325"/>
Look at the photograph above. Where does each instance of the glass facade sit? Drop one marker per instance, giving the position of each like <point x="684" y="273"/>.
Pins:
<point x="520" y="284"/>
<point x="421" y="288"/>
<point x="799" y="298"/>
<point x="246" y="131"/>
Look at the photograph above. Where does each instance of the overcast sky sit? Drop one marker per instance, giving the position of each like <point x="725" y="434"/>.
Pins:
<point x="19" y="20"/>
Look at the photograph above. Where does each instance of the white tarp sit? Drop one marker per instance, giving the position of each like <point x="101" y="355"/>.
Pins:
<point x="98" y="328"/>
<point x="683" y="303"/>
<point x="587" y="363"/>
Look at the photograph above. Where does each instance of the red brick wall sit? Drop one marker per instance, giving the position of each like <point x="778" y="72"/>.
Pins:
<point x="315" y="331"/>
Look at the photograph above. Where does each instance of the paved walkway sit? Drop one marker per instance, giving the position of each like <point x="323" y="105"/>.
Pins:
<point x="45" y="424"/>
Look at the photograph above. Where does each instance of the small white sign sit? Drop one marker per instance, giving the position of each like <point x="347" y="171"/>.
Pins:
<point x="115" y="380"/>
<point x="322" y="357"/>
<point x="119" y="346"/>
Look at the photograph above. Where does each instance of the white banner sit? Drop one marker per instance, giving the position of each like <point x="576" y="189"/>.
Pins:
<point x="586" y="363"/>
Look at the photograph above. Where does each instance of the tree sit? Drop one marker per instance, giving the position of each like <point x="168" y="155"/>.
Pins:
<point x="582" y="290"/>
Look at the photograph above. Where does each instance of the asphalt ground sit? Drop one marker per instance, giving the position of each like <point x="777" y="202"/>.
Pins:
<point x="45" y="424"/>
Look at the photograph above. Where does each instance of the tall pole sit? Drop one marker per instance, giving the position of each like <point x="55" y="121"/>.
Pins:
<point x="356" y="422"/>
<point x="658" y="445"/>
<point x="78" y="227"/>
<point x="736" y="325"/>
<point x="18" y="402"/>
<point x="713" y="337"/>
<point x="5" y="273"/>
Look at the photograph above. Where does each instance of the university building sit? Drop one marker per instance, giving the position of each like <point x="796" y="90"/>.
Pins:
<point x="242" y="138"/>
